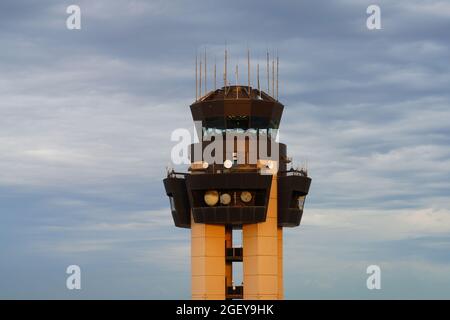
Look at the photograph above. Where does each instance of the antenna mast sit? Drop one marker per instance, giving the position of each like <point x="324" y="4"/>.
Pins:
<point x="205" y="73"/>
<point x="257" y="76"/>
<point x="200" y="85"/>
<point x="248" y="71"/>
<point x="196" y="77"/>
<point x="237" y="81"/>
<point x="273" y="76"/>
<point x="278" y="65"/>
<point x="268" y="77"/>
<point x="225" y="69"/>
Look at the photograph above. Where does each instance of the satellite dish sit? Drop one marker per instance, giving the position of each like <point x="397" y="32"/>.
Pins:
<point x="225" y="198"/>
<point x="227" y="164"/>
<point x="246" y="196"/>
<point x="211" y="197"/>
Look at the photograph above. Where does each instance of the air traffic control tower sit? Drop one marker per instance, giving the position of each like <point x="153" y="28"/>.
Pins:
<point x="246" y="186"/>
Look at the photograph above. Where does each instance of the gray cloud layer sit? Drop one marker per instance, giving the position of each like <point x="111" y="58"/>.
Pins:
<point x="85" y="127"/>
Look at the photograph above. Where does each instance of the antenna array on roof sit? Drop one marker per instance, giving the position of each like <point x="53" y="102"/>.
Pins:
<point x="201" y="75"/>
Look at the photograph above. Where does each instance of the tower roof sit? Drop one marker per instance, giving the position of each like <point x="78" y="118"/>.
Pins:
<point x="236" y="92"/>
<point x="237" y="107"/>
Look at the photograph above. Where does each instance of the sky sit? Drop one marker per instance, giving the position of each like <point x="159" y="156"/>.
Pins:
<point x="86" y="118"/>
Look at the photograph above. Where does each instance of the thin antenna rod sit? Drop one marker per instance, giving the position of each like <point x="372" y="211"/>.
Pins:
<point x="237" y="81"/>
<point x="273" y="76"/>
<point x="278" y="72"/>
<point x="248" y="71"/>
<point x="200" y="85"/>
<point x="268" y="77"/>
<point x="257" y="76"/>
<point x="196" y="77"/>
<point x="206" y="89"/>
<point x="225" y="69"/>
<point x="215" y="74"/>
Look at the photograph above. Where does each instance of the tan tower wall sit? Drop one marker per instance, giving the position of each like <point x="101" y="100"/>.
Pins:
<point x="280" y="264"/>
<point x="263" y="255"/>
<point x="208" y="267"/>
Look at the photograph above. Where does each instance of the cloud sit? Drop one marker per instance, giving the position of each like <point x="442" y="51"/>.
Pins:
<point x="435" y="8"/>
<point x="87" y="116"/>
<point x="382" y="224"/>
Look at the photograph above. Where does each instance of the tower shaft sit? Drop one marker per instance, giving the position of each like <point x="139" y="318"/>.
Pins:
<point x="208" y="265"/>
<point x="263" y="257"/>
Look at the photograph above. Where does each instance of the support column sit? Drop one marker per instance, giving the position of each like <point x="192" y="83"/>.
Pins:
<point x="261" y="257"/>
<point x="229" y="264"/>
<point x="207" y="261"/>
<point x="280" y="264"/>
